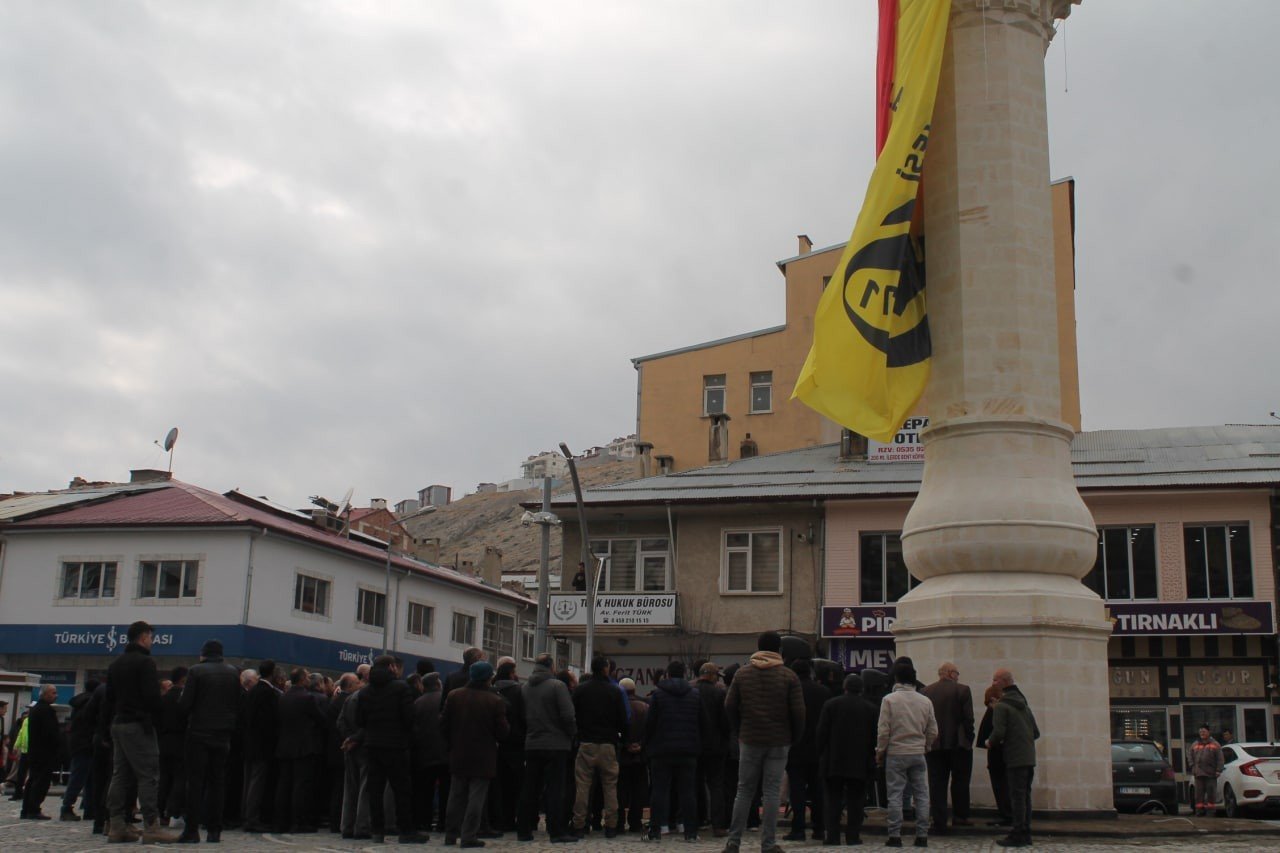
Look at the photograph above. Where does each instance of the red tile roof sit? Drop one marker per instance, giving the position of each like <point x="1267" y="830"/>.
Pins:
<point x="184" y="505"/>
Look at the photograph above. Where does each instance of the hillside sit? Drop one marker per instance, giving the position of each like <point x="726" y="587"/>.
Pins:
<point x="466" y="526"/>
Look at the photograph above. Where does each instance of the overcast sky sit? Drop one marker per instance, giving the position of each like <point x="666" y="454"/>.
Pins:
<point x="384" y="245"/>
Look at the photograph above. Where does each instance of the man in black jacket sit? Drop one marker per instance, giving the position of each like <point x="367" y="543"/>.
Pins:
<point x="133" y="692"/>
<point x="44" y="744"/>
<point x="172" y="739"/>
<point x="299" y="748"/>
<point x="505" y="795"/>
<point x="430" y="760"/>
<point x="715" y="751"/>
<point x="384" y="721"/>
<point x="80" y="748"/>
<point x="802" y="760"/>
<point x="261" y="703"/>
<point x="602" y="723"/>
<point x="673" y="736"/>
<point x="846" y="743"/>
<point x="210" y="702"/>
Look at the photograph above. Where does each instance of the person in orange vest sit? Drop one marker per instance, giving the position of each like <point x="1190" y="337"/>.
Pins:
<point x="1206" y="767"/>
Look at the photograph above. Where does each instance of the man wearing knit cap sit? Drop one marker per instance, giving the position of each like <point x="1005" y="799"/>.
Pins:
<point x="473" y="721"/>
<point x="210" y="702"/>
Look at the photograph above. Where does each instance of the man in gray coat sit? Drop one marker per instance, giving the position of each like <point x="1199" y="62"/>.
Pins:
<point x="551" y="726"/>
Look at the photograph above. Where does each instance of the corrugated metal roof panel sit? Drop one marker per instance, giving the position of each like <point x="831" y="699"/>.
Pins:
<point x="21" y="506"/>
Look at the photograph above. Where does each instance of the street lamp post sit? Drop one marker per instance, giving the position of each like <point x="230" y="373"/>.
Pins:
<point x="545" y="519"/>
<point x="587" y="562"/>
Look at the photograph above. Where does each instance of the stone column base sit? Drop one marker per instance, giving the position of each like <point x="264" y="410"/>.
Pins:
<point x="1052" y="633"/>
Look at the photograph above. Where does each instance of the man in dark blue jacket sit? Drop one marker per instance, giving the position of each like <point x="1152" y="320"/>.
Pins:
<point x="674" y="731"/>
<point x="210" y="702"/>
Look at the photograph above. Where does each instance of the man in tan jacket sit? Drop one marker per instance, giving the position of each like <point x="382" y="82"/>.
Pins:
<point x="766" y="706"/>
<point x="907" y="729"/>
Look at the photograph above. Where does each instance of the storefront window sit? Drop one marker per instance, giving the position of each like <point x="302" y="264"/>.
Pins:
<point x="1141" y="724"/>
<point x="1217" y="717"/>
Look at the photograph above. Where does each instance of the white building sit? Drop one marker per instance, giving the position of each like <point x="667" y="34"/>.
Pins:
<point x="77" y="567"/>
<point x="548" y="463"/>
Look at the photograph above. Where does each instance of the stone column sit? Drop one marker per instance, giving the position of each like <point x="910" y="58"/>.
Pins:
<point x="999" y="536"/>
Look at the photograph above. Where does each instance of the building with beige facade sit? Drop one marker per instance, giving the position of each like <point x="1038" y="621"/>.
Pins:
<point x="684" y="394"/>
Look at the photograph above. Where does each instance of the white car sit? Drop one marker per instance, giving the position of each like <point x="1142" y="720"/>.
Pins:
<point x="1250" y="777"/>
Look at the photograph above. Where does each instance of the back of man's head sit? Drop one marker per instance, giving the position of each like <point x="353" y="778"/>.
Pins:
<point x="545" y="659"/>
<point x="599" y="665"/>
<point x="384" y="661"/>
<point x="137" y="629"/>
<point x="506" y="670"/>
<point x="472" y="655"/>
<point x="802" y="668"/>
<point x="362" y="671"/>
<point x="675" y="669"/>
<point x="853" y="683"/>
<point x="266" y="669"/>
<point x="769" y="641"/>
<point x="177" y="674"/>
<point x="299" y="675"/>
<point x="904" y="673"/>
<point x="424" y="666"/>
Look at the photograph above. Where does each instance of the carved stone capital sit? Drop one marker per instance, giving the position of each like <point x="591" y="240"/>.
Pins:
<point x="1033" y="16"/>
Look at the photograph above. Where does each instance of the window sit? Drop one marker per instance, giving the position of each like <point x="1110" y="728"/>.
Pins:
<point x="884" y="575"/>
<point x="311" y="595"/>
<point x="713" y="394"/>
<point x="464" y="629"/>
<point x="762" y="392"/>
<point x="752" y="561"/>
<point x="168" y="578"/>
<point x="528" y="640"/>
<point x="420" y="620"/>
<point x="499" y="634"/>
<point x="1126" y="564"/>
<point x="1219" y="561"/>
<point x="633" y="565"/>
<point x="371" y="608"/>
<point x="88" y="580"/>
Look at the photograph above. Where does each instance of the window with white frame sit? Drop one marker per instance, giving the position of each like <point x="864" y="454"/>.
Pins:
<point x="464" y="629"/>
<point x="499" y="634"/>
<point x="1125" y="569"/>
<point x="371" y="608"/>
<point x="713" y="394"/>
<point x="168" y="579"/>
<point x="1219" y="561"/>
<point x="752" y="561"/>
<point x="311" y="594"/>
<point x="420" y="620"/>
<point x="761" y="392"/>
<point x="883" y="572"/>
<point x="634" y="564"/>
<point x="528" y="641"/>
<point x="88" y="579"/>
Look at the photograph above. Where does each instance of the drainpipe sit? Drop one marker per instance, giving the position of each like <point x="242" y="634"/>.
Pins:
<point x="248" y="576"/>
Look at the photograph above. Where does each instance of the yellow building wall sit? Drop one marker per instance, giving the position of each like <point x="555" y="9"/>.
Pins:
<point x="669" y="407"/>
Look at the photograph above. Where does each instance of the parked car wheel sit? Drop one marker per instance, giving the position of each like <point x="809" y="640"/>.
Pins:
<point x="1154" y="807"/>
<point x="1229" y="802"/>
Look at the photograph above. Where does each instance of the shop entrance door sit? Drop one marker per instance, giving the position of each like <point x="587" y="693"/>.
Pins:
<point x="1216" y="717"/>
<point x="1255" y="724"/>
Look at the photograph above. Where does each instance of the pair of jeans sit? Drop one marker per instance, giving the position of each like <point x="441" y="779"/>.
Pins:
<point x="80" y="781"/>
<point x="206" y="772"/>
<point x="763" y="766"/>
<point x="685" y="772"/>
<point x="806" y="788"/>
<point x="135" y="760"/>
<point x="1020" y="798"/>
<point x="901" y="771"/>
<point x="849" y="794"/>
<point x="593" y="759"/>
<point x="466" y="807"/>
<point x="949" y="768"/>
<point x="544" y="771"/>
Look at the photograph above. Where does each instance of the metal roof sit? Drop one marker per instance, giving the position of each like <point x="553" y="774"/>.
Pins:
<point x="1185" y="457"/>
<point x="21" y="506"/>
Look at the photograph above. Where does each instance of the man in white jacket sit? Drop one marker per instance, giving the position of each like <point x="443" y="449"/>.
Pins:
<point x="907" y="729"/>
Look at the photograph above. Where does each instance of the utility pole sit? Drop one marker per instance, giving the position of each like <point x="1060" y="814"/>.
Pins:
<point x="541" y="639"/>
<point x="587" y="562"/>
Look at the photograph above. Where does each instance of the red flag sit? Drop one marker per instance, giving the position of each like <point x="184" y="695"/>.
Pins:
<point x="886" y="48"/>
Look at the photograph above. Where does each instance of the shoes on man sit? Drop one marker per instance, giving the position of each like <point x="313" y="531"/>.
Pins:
<point x="731" y="847"/>
<point x="921" y="841"/>
<point x="564" y="839"/>
<point x="475" y="842"/>
<point x="154" y="833"/>
<point x="69" y="814"/>
<point x="34" y="816"/>
<point x="213" y="836"/>
<point x="852" y="840"/>
<point x="794" y="835"/>
<point x="189" y="836"/>
<point x="893" y="841"/>
<point x="120" y="832"/>
<point x="831" y="842"/>
<point x="450" y="840"/>
<point x="1014" y="841"/>
<point x="524" y="836"/>
<point x="690" y="839"/>
<point x="413" y="838"/>
<point x="489" y="833"/>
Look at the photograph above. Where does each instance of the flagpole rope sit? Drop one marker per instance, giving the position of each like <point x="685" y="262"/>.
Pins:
<point x="986" y="80"/>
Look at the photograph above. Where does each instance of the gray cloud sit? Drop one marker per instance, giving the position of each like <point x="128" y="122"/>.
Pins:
<point x="391" y="244"/>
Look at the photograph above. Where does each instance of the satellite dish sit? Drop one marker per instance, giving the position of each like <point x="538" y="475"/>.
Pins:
<point x="171" y="439"/>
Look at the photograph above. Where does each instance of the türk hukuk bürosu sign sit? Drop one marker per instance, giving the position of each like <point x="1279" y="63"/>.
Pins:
<point x="622" y="609"/>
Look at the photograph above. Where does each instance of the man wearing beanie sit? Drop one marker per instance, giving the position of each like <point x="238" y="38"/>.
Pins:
<point x="473" y="721"/>
<point x="210" y="702"/>
<point x="846" y="743"/>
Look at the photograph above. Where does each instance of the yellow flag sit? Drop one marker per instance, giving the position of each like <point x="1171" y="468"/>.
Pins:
<point x="869" y="361"/>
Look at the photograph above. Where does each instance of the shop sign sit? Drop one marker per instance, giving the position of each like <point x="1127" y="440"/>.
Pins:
<point x="1153" y="619"/>
<point x="906" y="445"/>
<point x="1135" y="682"/>
<point x="646" y="609"/>
<point x="870" y="621"/>
<point x="645" y="670"/>
<point x="1223" y="682"/>
<point x="857" y="655"/>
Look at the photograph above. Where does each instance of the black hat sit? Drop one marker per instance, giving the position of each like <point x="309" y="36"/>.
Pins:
<point x="211" y="649"/>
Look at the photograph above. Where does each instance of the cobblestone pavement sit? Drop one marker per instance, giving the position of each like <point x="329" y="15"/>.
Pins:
<point x="24" y="836"/>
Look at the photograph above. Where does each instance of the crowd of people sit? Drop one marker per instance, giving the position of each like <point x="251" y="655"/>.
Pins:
<point x="480" y="753"/>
